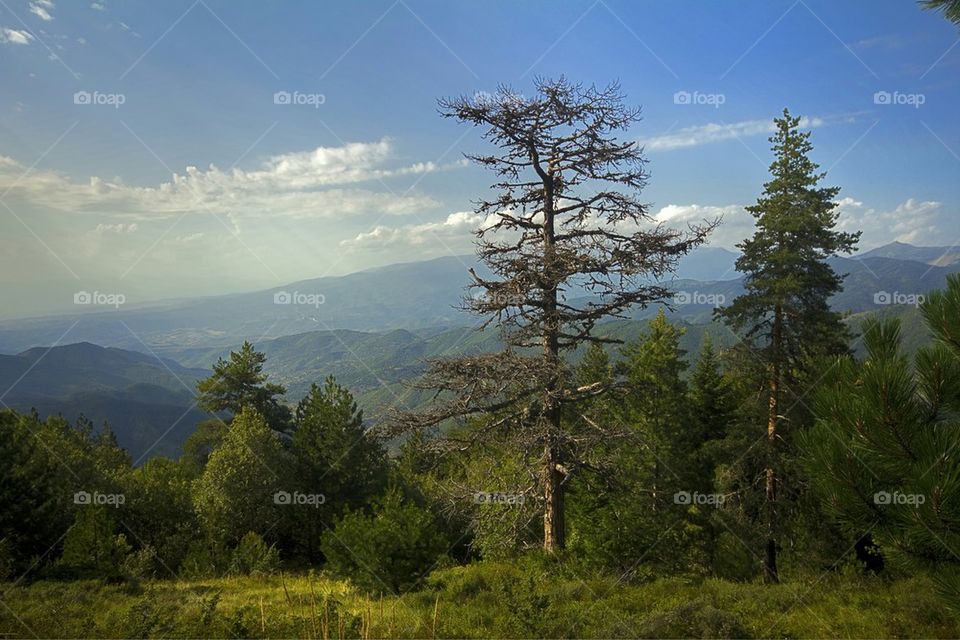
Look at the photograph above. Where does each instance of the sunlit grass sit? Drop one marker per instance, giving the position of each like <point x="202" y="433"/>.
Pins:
<point x="483" y="600"/>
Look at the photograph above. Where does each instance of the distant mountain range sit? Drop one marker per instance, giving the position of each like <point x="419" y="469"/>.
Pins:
<point x="939" y="256"/>
<point x="142" y="397"/>
<point x="403" y="296"/>
<point x="372" y="330"/>
<point x="419" y="295"/>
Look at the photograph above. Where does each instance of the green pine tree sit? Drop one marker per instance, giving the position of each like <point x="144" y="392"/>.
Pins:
<point x="240" y="382"/>
<point x="335" y="457"/>
<point x="784" y="317"/>
<point x="620" y="512"/>
<point x="655" y="403"/>
<point x="713" y="410"/>
<point x="882" y="454"/>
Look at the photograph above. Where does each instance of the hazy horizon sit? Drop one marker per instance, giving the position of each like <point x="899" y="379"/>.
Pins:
<point x="307" y="143"/>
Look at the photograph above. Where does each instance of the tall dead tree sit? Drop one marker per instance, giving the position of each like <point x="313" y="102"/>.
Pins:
<point x="568" y="243"/>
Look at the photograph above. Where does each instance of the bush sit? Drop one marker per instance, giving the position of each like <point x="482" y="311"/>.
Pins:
<point x="696" y="619"/>
<point x="204" y="561"/>
<point x="91" y="548"/>
<point x="253" y="557"/>
<point x="389" y="550"/>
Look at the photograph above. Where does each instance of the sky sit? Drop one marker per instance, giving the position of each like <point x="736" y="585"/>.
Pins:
<point x="173" y="149"/>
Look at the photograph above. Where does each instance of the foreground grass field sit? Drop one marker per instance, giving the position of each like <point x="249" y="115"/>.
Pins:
<point x="488" y="600"/>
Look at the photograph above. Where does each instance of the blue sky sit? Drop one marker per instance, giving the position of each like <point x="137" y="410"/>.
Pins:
<point x="364" y="172"/>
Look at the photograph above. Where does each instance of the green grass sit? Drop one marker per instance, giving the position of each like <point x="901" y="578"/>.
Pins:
<point x="484" y="600"/>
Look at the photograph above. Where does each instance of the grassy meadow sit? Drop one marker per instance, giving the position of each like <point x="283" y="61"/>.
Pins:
<point x="482" y="600"/>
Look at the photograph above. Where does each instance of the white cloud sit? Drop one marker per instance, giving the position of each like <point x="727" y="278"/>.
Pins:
<point x="717" y="132"/>
<point x="317" y="183"/>
<point x="13" y="36"/>
<point x="98" y="6"/>
<point x="917" y="222"/>
<point x="41" y="9"/>
<point x="736" y="222"/>
<point x="913" y="221"/>
<point x="455" y="233"/>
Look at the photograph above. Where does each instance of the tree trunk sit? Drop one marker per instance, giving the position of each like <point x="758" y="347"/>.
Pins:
<point x="770" y="572"/>
<point x="553" y="520"/>
<point x="554" y="535"/>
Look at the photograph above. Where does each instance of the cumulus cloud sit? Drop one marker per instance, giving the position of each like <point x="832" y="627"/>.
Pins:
<point x="718" y="132"/>
<point x="917" y="222"/>
<point x="42" y="9"/>
<point x="318" y="183"/>
<point x="98" y="6"/>
<point x="14" y="36"/>
<point x="454" y="233"/>
<point x="736" y="222"/>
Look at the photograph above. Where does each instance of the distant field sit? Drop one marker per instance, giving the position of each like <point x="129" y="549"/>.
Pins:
<point x="479" y="601"/>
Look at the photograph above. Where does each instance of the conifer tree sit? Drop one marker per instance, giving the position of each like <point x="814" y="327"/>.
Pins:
<point x="713" y="409"/>
<point x="882" y="454"/>
<point x="784" y="317"/>
<point x="655" y="403"/>
<point x="566" y="219"/>
<point x="240" y="382"/>
<point x="334" y="457"/>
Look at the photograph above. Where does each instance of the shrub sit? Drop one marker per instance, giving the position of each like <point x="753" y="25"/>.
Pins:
<point x="204" y="561"/>
<point x="389" y="550"/>
<point x="91" y="549"/>
<point x="253" y="557"/>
